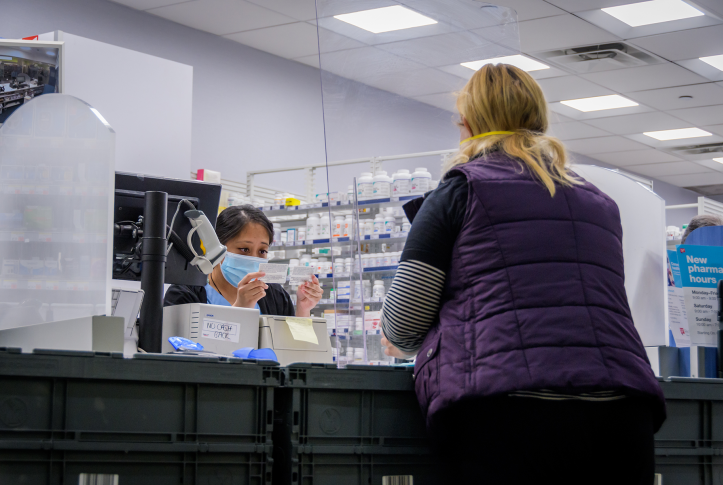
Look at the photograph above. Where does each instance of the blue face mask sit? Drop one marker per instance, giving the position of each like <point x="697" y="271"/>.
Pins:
<point x="236" y="266"/>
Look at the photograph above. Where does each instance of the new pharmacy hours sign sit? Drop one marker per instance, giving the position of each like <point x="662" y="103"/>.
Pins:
<point x="700" y="269"/>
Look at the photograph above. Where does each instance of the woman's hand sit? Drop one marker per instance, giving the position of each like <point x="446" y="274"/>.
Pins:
<point x="392" y="351"/>
<point x="250" y="292"/>
<point x="308" y="296"/>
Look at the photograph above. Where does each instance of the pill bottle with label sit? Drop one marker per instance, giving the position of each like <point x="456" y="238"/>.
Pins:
<point x="369" y="227"/>
<point x="367" y="287"/>
<point x="348" y="226"/>
<point x="378" y="289"/>
<point x="379" y="224"/>
<point x="390" y="224"/>
<point x="402" y="183"/>
<point x="350" y="194"/>
<point x="312" y="226"/>
<point x="324" y="226"/>
<point x="406" y="226"/>
<point x="421" y="180"/>
<point x="338" y="226"/>
<point x="382" y="186"/>
<point x="365" y="186"/>
<point x="277" y="234"/>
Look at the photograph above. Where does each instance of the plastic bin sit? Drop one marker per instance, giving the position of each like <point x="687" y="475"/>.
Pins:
<point x="689" y="444"/>
<point x="154" y="415"/>
<point x="350" y="426"/>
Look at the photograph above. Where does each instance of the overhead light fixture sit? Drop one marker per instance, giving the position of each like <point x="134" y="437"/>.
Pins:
<point x="599" y="103"/>
<point x="653" y="12"/>
<point x="386" y="19"/>
<point x="719" y="160"/>
<point x="524" y="63"/>
<point x="715" y="61"/>
<point x="677" y="134"/>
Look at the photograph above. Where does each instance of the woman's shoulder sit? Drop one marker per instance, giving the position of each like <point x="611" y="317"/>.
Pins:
<point x="182" y="294"/>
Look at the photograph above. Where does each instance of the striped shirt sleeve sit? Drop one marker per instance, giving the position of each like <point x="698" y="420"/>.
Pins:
<point x="412" y="304"/>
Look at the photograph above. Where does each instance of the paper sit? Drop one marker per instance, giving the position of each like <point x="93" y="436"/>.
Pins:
<point x="300" y="274"/>
<point x="220" y="330"/>
<point x="677" y="316"/>
<point x="302" y="329"/>
<point x="275" y="273"/>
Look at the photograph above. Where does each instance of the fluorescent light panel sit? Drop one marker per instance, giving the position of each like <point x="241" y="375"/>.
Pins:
<point x="715" y="61"/>
<point x="653" y="12"/>
<point x="719" y="160"/>
<point x="386" y="19"/>
<point x="599" y="103"/>
<point x="677" y="134"/>
<point x="524" y="63"/>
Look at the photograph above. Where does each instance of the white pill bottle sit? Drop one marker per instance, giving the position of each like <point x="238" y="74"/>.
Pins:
<point x="421" y="181"/>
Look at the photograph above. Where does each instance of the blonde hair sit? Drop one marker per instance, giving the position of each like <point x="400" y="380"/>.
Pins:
<point x="504" y="98"/>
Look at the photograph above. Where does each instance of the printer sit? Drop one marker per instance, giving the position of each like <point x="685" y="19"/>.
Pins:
<point x="220" y="329"/>
<point x="275" y="334"/>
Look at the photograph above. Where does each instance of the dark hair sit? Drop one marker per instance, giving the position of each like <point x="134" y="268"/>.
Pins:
<point x="700" y="221"/>
<point x="233" y="219"/>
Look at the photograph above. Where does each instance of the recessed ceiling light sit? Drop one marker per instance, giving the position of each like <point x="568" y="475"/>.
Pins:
<point x="719" y="160"/>
<point x="386" y="19"/>
<point x="677" y="134"/>
<point x="524" y="63"/>
<point x="715" y="61"/>
<point x="653" y="12"/>
<point x="599" y="103"/>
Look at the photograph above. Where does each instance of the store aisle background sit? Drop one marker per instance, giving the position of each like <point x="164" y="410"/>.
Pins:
<point x="254" y="109"/>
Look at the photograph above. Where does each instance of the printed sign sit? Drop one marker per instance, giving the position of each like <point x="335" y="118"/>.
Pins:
<point x="700" y="269"/>
<point x="677" y="317"/>
<point x="220" y="330"/>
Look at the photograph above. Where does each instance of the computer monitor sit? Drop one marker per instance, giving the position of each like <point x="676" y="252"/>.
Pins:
<point x="129" y="206"/>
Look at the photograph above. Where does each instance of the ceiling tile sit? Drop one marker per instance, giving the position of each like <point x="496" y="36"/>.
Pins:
<point x="221" y="16"/>
<point x="638" y="123"/>
<point x="298" y="9"/>
<point x="717" y="129"/>
<point x="555" y="118"/>
<point x="288" y="41"/>
<point x="672" y="168"/>
<point x="530" y="9"/>
<point x="416" y="82"/>
<point x="704" y="115"/>
<point x="446" y="101"/>
<point x="312" y="61"/>
<point x="146" y="4"/>
<point x="694" y="179"/>
<point x="646" y="77"/>
<point x="603" y="144"/>
<point x="636" y="157"/>
<point x="583" y="5"/>
<point x="570" y="87"/>
<point x="366" y="63"/>
<point x="685" y="44"/>
<point x="669" y="98"/>
<point x="574" y="130"/>
<point x="560" y="31"/>
<point x="445" y="49"/>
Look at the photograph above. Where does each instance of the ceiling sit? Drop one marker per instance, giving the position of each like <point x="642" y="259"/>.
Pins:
<point x="673" y="87"/>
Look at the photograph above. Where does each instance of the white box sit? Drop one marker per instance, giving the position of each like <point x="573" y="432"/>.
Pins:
<point x="274" y="334"/>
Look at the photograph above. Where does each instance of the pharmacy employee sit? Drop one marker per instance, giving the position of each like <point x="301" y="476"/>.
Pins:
<point x="247" y="234"/>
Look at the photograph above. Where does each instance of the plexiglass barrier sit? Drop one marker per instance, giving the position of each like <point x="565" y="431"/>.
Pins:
<point x="56" y="186"/>
<point x="389" y="73"/>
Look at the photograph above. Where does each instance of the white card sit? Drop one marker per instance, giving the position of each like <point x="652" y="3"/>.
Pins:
<point x="300" y="274"/>
<point x="220" y="330"/>
<point x="275" y="273"/>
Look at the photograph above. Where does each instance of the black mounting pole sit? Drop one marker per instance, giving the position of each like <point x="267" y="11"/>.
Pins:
<point x="720" y="328"/>
<point x="153" y="271"/>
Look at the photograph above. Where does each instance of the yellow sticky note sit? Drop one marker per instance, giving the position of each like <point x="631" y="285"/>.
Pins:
<point x="302" y="329"/>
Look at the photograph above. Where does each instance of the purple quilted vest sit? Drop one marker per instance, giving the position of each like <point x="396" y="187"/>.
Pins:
<point x="534" y="298"/>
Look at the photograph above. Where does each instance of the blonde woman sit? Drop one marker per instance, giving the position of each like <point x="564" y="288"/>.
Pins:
<point x="511" y="293"/>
